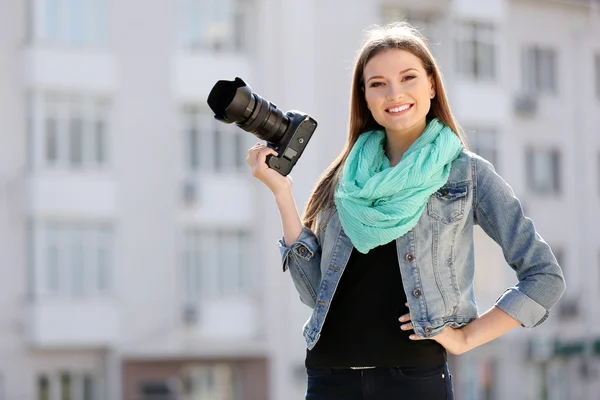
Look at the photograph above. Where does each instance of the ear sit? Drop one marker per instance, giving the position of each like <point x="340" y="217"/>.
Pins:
<point x="431" y="88"/>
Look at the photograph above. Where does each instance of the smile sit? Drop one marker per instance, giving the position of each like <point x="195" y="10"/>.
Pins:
<point x="399" y="110"/>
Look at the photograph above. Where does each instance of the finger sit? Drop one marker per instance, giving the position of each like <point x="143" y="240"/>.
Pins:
<point x="404" y="318"/>
<point x="415" y="337"/>
<point x="407" y="327"/>
<point x="263" y="153"/>
<point x="254" y="152"/>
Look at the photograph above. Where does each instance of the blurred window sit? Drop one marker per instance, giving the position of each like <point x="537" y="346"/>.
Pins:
<point x="214" y="382"/>
<point x="88" y="387"/>
<point x="215" y="263"/>
<point x="71" y="386"/>
<point x="210" y="145"/>
<point x="69" y="131"/>
<point x="43" y="388"/>
<point x="539" y="70"/>
<point x="422" y="21"/>
<point x="216" y="25"/>
<point x="484" y="142"/>
<point x="597" y="70"/>
<point x="69" y="22"/>
<point x="71" y="260"/>
<point x="66" y="386"/>
<point x="543" y="170"/>
<point x="476" y="51"/>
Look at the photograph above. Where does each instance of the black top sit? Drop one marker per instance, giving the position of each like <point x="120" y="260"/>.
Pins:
<point x="362" y="327"/>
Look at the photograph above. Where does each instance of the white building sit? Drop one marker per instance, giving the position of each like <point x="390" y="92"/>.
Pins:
<point x="124" y="205"/>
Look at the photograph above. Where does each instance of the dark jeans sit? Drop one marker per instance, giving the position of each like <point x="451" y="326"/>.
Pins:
<point x="393" y="383"/>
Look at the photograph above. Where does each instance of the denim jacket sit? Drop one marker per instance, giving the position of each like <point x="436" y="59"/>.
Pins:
<point x="436" y="257"/>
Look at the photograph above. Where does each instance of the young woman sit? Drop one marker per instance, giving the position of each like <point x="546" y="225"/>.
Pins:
<point x="384" y="253"/>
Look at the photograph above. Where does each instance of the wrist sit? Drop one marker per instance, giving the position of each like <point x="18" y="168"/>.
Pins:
<point x="466" y="338"/>
<point x="283" y="195"/>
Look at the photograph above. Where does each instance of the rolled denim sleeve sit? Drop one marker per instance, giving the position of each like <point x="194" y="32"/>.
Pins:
<point x="499" y="213"/>
<point x="303" y="259"/>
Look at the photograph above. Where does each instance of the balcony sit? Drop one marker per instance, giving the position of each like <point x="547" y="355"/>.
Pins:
<point x="71" y="324"/>
<point x="195" y="73"/>
<point x="217" y="199"/>
<point x="89" y="195"/>
<point x="223" y="326"/>
<point x="67" y="69"/>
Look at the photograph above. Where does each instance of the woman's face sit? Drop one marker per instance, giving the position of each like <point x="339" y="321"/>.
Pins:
<point x="397" y="90"/>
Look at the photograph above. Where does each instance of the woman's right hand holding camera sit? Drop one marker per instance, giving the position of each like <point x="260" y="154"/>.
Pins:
<point x="277" y="183"/>
<point x="281" y="186"/>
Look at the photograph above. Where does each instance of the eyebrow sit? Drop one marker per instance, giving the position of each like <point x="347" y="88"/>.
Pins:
<point x="401" y="72"/>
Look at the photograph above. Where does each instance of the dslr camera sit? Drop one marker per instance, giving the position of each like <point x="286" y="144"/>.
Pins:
<point x="287" y="134"/>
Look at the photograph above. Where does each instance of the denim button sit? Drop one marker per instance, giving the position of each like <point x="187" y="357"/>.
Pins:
<point x="410" y="257"/>
<point x="428" y="329"/>
<point x="417" y="293"/>
<point x="303" y="251"/>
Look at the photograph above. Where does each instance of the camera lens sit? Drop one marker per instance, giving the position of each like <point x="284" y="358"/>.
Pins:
<point x="233" y="101"/>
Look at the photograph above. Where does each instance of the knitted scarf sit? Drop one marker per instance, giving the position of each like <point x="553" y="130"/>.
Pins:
<point x="378" y="203"/>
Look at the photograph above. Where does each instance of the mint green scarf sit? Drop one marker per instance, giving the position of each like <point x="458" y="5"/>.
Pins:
<point x="378" y="203"/>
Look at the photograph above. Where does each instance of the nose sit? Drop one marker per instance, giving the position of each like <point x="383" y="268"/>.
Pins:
<point x="394" y="92"/>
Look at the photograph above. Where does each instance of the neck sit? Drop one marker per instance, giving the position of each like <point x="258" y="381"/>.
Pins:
<point x="398" y="142"/>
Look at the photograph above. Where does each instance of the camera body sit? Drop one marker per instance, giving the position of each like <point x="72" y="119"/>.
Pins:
<point x="293" y="143"/>
<point x="287" y="134"/>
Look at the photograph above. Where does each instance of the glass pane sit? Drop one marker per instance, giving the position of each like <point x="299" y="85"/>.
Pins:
<point x="100" y="142"/>
<point x="239" y="150"/>
<point x="65" y="387"/>
<point x="229" y="272"/>
<point x="76" y="141"/>
<point x="54" y="258"/>
<point x="486" y="61"/>
<point x="198" y="265"/>
<point x="43" y="388"/>
<point x="53" y="268"/>
<point x="88" y="387"/>
<point x="186" y="260"/>
<point x="76" y="21"/>
<point x="103" y="267"/>
<point x="206" y="126"/>
<point x="100" y="22"/>
<point x="78" y="262"/>
<point x="193" y="146"/>
<point x="212" y="24"/>
<point x="105" y="259"/>
<point x="239" y="27"/>
<point x="597" y="66"/>
<point x="556" y="171"/>
<point x="52" y="20"/>
<point x="219" y="147"/>
<point x="51" y="140"/>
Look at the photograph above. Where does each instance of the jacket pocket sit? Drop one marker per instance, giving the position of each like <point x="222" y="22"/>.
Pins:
<point x="448" y="203"/>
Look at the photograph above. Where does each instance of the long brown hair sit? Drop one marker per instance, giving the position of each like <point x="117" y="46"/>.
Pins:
<point x="401" y="36"/>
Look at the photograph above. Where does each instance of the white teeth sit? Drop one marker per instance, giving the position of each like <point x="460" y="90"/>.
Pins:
<point x="399" y="109"/>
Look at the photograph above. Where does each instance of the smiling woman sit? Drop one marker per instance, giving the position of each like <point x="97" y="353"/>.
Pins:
<point x="384" y="252"/>
<point x="398" y="93"/>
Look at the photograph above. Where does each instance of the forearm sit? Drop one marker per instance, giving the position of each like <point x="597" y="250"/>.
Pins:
<point x="290" y="220"/>
<point x="489" y="326"/>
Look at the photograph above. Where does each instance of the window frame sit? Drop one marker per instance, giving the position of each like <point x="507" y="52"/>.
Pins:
<point x="556" y="161"/>
<point x="476" y="36"/>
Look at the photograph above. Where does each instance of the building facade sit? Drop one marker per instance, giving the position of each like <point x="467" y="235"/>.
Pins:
<point x="138" y="253"/>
